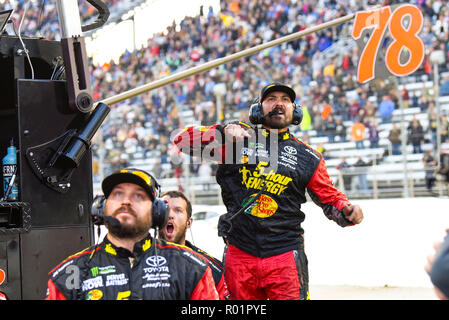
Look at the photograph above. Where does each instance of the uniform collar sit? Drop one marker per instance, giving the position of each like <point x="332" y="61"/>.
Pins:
<point x="139" y="248"/>
<point x="281" y="136"/>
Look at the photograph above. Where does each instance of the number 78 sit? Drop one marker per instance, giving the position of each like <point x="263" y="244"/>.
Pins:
<point x="402" y="38"/>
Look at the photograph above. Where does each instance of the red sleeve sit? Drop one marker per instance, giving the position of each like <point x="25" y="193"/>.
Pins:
<point x="205" y="289"/>
<point x="53" y="292"/>
<point x="325" y="195"/>
<point x="222" y="289"/>
<point x="197" y="141"/>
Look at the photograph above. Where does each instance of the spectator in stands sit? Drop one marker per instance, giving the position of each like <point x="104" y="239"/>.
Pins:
<point x="423" y="102"/>
<point x="370" y="110"/>
<point x="317" y="120"/>
<point x="414" y="100"/>
<point x="358" y="134"/>
<point x="444" y="129"/>
<point x="330" y="127"/>
<point x="340" y="130"/>
<point x="386" y="108"/>
<point x="344" y="106"/>
<point x="415" y="134"/>
<point x="373" y="133"/>
<point x="429" y="167"/>
<point x="345" y="175"/>
<point x="381" y="90"/>
<point x="321" y="149"/>
<point x="432" y="127"/>
<point x="361" y="170"/>
<point x="354" y="109"/>
<point x="443" y="169"/>
<point x="394" y="136"/>
<point x="306" y="120"/>
<point x="405" y="97"/>
<point x="176" y="162"/>
<point x="205" y="174"/>
<point x="444" y="91"/>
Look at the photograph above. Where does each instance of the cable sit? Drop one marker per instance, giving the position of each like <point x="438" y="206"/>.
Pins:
<point x="191" y="235"/>
<point x="42" y="8"/>
<point x="157" y="261"/>
<point x="247" y="205"/>
<point x="58" y="69"/>
<point x="21" y="41"/>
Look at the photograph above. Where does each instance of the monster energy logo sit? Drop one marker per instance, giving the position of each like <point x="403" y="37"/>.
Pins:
<point x="102" y="270"/>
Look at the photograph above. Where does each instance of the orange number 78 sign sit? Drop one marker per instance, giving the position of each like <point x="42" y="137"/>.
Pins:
<point x="402" y="37"/>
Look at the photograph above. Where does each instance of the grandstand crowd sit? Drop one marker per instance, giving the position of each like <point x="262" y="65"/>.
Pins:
<point x="335" y="106"/>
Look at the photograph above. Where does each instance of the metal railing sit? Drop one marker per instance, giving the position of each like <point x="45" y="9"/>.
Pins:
<point x="374" y="183"/>
<point x="370" y="182"/>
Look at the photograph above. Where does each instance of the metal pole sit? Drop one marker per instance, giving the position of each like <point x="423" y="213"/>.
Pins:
<point x="69" y="18"/>
<point x="436" y="94"/>
<point x="214" y="63"/>
<point x="375" y="188"/>
<point x="403" y="140"/>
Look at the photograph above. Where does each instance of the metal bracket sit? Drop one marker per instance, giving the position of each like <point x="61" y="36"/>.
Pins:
<point x="74" y="52"/>
<point x="26" y="218"/>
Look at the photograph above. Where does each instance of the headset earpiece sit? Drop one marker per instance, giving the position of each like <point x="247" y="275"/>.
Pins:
<point x="297" y="114"/>
<point x="97" y="210"/>
<point x="160" y="213"/>
<point x="255" y="113"/>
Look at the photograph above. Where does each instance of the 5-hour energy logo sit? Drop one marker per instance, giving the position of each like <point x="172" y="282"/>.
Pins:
<point x="275" y="183"/>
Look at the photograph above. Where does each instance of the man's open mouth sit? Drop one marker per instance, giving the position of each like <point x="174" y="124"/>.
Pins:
<point x="170" y="228"/>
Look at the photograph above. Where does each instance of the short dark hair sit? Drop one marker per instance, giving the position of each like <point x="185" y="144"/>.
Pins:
<point x="179" y="194"/>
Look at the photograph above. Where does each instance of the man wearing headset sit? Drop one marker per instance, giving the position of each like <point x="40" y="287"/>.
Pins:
<point x="264" y="173"/>
<point x="179" y="220"/>
<point x="129" y="263"/>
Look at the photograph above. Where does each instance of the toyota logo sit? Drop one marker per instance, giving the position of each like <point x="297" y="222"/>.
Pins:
<point x="290" y="149"/>
<point x="156" y="261"/>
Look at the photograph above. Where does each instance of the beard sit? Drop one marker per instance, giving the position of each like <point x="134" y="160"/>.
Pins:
<point x="274" y="122"/>
<point x="123" y="230"/>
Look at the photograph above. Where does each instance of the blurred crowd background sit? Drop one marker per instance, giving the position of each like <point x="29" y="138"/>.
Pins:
<point x="321" y="68"/>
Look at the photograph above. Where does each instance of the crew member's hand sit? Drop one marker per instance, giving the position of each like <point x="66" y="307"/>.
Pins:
<point x="353" y="213"/>
<point x="234" y="132"/>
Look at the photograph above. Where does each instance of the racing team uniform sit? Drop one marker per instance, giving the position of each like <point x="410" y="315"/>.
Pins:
<point x="266" y="240"/>
<point x="151" y="272"/>
<point x="217" y="271"/>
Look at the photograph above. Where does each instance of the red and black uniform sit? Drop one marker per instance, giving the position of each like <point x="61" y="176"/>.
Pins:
<point x="277" y="169"/>
<point x="217" y="271"/>
<point x="151" y="272"/>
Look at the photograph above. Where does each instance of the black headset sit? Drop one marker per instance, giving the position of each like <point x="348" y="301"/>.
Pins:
<point x="256" y="115"/>
<point x="159" y="212"/>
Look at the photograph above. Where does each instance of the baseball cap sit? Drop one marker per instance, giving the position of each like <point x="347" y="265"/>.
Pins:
<point x="276" y="86"/>
<point x="131" y="175"/>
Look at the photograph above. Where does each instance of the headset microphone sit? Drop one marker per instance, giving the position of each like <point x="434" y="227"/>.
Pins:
<point x="113" y="222"/>
<point x="273" y="112"/>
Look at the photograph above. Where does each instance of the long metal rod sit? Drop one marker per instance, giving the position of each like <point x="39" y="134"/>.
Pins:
<point x="214" y="63"/>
